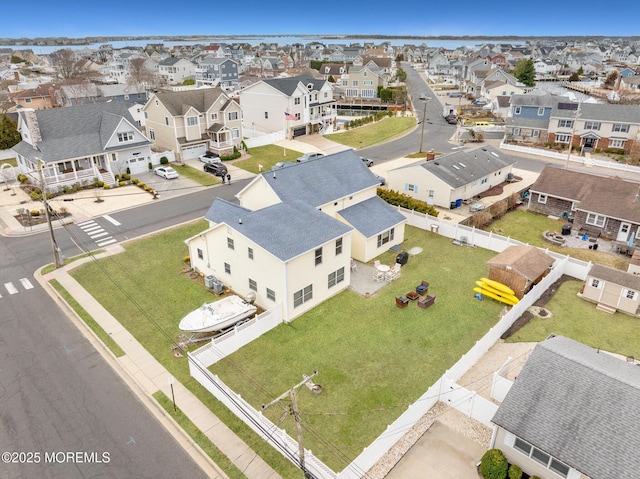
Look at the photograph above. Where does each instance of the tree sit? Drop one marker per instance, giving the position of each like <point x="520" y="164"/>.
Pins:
<point x="5" y="102"/>
<point x="580" y="71"/>
<point x="401" y="74"/>
<point x="331" y="79"/>
<point x="525" y="72"/>
<point x="139" y="74"/>
<point x="66" y="64"/>
<point x="574" y="77"/>
<point x="9" y="135"/>
<point x="189" y="81"/>
<point x="611" y="79"/>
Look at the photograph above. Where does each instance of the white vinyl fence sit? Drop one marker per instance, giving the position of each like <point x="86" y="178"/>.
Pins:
<point x="445" y="389"/>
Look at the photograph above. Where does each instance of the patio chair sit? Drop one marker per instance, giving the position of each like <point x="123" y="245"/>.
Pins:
<point x="376" y="263"/>
<point x="426" y="301"/>
<point x="423" y="287"/>
<point x="401" y="302"/>
<point x="378" y="275"/>
<point x="393" y="273"/>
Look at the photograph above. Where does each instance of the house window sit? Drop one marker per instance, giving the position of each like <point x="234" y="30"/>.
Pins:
<point x="192" y="121"/>
<point x="591" y="125"/>
<point x="166" y="120"/>
<point x="352" y="92"/>
<point x="214" y="116"/>
<point x="562" y="138"/>
<point x="318" y="255"/>
<point x="250" y="253"/>
<point x="354" y="83"/>
<point x="253" y="285"/>
<point x="595" y="220"/>
<point x="296" y="100"/>
<point x="338" y="246"/>
<point x="412" y="188"/>
<point x="535" y="134"/>
<point x="157" y="102"/>
<point x="368" y="93"/>
<point x="302" y="296"/>
<point x="541" y="457"/>
<point x="540" y="111"/>
<point x="620" y="128"/>
<point x="266" y="115"/>
<point x="616" y="143"/>
<point x="595" y="283"/>
<point x="345" y="82"/>
<point x="430" y="193"/>
<point x="629" y="294"/>
<point x="230" y="244"/>
<point x="384" y="238"/>
<point x="271" y="294"/>
<point x="297" y="116"/>
<point x="367" y="83"/>
<point x="152" y="134"/>
<point x="335" y="277"/>
<point x="233" y="115"/>
<point x="200" y="254"/>
<point x="125" y="136"/>
<point x="559" y="468"/>
<point x="522" y="446"/>
<point x="565" y="123"/>
<point x="542" y="199"/>
<point x="516" y="132"/>
<point x="146" y="115"/>
<point x="227" y="268"/>
<point x="517" y="110"/>
<point x="235" y="133"/>
<point x="574" y="206"/>
<point x="126" y="97"/>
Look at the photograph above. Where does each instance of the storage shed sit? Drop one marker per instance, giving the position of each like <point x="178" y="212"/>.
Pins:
<point x="613" y="290"/>
<point x="520" y="268"/>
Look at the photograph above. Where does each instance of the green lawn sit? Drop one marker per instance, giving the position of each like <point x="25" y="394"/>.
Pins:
<point x="197" y="175"/>
<point x="374" y="358"/>
<point x="267" y="156"/>
<point x="581" y="321"/>
<point x="374" y="133"/>
<point x="528" y="227"/>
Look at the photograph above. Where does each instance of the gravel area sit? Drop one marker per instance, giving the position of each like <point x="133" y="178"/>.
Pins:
<point x="478" y="379"/>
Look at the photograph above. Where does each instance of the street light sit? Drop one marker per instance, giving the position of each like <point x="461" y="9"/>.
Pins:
<point x="424" y="120"/>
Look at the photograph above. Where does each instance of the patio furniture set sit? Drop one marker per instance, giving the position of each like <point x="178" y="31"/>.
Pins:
<point x="423" y="300"/>
<point x="383" y="272"/>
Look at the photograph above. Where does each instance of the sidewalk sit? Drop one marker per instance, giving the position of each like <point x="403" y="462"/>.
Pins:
<point x="145" y="375"/>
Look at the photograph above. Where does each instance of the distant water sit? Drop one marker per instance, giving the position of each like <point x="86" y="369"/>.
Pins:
<point x="280" y="40"/>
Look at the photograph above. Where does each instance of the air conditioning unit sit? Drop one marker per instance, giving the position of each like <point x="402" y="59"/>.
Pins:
<point x="208" y="281"/>
<point x="217" y="286"/>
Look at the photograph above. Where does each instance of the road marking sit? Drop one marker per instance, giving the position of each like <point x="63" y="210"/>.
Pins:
<point x="87" y="224"/>
<point x="111" y="220"/>
<point x="106" y="242"/>
<point x="26" y="284"/>
<point x="104" y="233"/>
<point x="131" y="440"/>
<point x="11" y="288"/>
<point x="93" y="229"/>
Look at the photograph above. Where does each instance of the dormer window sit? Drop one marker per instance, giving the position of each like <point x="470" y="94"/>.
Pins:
<point x="310" y="86"/>
<point x="125" y="136"/>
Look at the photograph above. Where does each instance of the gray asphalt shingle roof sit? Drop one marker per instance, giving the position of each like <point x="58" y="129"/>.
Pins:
<point x="322" y="180"/>
<point x="578" y="405"/>
<point x="372" y="216"/>
<point x="289" y="85"/>
<point x="601" y="112"/>
<point x="286" y="230"/>
<point x="76" y="131"/>
<point x="179" y="102"/>
<point x="465" y="166"/>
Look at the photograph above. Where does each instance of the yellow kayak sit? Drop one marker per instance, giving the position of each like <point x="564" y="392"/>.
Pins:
<point x="499" y="286"/>
<point x="488" y="293"/>
<point x="510" y="297"/>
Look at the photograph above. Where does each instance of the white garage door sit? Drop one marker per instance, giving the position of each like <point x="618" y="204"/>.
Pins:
<point x="191" y="152"/>
<point x="138" y="165"/>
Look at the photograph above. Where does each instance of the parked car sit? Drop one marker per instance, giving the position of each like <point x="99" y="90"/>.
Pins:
<point x="451" y="119"/>
<point x="208" y="157"/>
<point x="309" y="156"/>
<point x="455" y="94"/>
<point x="423" y="96"/>
<point x="282" y="164"/>
<point x="367" y="161"/>
<point x="215" y="168"/>
<point x="166" y="172"/>
<point x="479" y="101"/>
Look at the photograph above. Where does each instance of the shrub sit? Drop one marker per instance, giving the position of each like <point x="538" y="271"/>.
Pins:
<point x="494" y="465"/>
<point x="236" y="154"/>
<point x="36" y="195"/>
<point x="150" y="166"/>
<point x="141" y="184"/>
<point x="117" y="177"/>
<point x="134" y="181"/>
<point x="22" y="178"/>
<point x="597" y="150"/>
<point x="122" y="183"/>
<point x="515" y="472"/>
<point x="100" y="184"/>
<point x="186" y="259"/>
<point x="147" y="188"/>
<point x="34" y="212"/>
<point x="406" y="201"/>
<point x="126" y="176"/>
<point x="106" y="187"/>
<point x="163" y="161"/>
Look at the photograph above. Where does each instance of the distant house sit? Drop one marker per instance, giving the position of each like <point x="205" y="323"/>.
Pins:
<point x="453" y="177"/>
<point x="528" y="118"/>
<point x="520" y="268"/>
<point x="194" y="121"/>
<point x="612" y="290"/>
<point x="572" y="413"/>
<point x="222" y="72"/>
<point x="80" y="144"/>
<point x="174" y="71"/>
<point x="43" y="96"/>
<point x="293" y="236"/>
<point x="607" y="205"/>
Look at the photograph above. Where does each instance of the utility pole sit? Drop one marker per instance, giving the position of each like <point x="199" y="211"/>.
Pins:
<point x="424" y="120"/>
<point x="573" y="132"/>
<point x="295" y="412"/>
<point x="54" y="246"/>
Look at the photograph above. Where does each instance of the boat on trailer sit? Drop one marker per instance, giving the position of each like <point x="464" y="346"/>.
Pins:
<point x="218" y="315"/>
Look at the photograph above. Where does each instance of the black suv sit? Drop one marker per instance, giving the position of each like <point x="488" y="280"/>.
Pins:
<point x="217" y="169"/>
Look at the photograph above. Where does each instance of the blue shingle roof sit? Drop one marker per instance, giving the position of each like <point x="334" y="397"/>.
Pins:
<point x="372" y="216"/>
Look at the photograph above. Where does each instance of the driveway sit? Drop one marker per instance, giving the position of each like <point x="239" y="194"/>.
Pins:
<point x="425" y="458"/>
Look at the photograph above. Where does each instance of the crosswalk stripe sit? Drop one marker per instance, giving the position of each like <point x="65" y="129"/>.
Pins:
<point x="87" y="224"/>
<point x="111" y="220"/>
<point x="106" y="242"/>
<point x="11" y="288"/>
<point x="26" y="284"/>
<point x="94" y="229"/>
<point x="103" y="233"/>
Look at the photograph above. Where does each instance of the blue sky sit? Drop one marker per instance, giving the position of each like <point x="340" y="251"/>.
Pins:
<point x="74" y="18"/>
